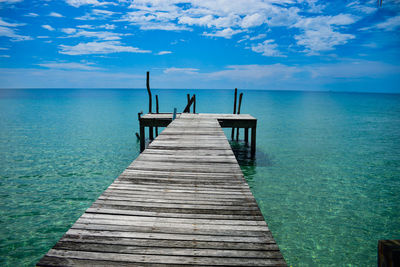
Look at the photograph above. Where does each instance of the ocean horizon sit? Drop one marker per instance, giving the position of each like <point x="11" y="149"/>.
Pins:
<point x="325" y="175"/>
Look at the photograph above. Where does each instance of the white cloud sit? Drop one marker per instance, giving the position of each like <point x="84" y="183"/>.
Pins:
<point x="108" y="26"/>
<point x="225" y="33"/>
<point x="164" y="53"/>
<point x="105" y="26"/>
<point x="181" y="70"/>
<point x="6" y="56"/>
<point x="61" y="78"/>
<point x="48" y="27"/>
<point x="101" y="35"/>
<point x="10" y="1"/>
<point x="106" y="36"/>
<point x="7" y="30"/>
<point x="78" y="3"/>
<point x="257" y="37"/>
<point x="323" y="39"/>
<point x="267" y="48"/>
<point x="31" y="15"/>
<point x="255" y="72"/>
<point x="390" y="24"/>
<point x="4" y="48"/>
<point x="97" y="14"/>
<point x="164" y="27"/>
<point x="352" y="69"/>
<point x="366" y="8"/>
<point x="253" y="20"/>
<point x="225" y="18"/>
<point x="68" y="30"/>
<point x="56" y="15"/>
<point x="322" y="33"/>
<point x="68" y="66"/>
<point x="7" y="24"/>
<point x="86" y="26"/>
<point x="99" y="48"/>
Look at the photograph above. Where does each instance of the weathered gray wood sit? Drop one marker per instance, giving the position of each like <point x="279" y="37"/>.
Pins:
<point x="271" y="246"/>
<point x="183" y="201"/>
<point x="67" y="245"/>
<point x="135" y="258"/>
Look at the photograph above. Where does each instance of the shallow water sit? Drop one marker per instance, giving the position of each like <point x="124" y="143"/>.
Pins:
<point x="326" y="175"/>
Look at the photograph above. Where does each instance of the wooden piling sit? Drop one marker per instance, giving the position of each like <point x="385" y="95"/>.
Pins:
<point x="238" y="112"/>
<point x="194" y="104"/>
<point x="253" y="141"/>
<point x="246" y="135"/>
<point x="157" y="111"/>
<point x="187" y="108"/>
<point x="234" y="112"/>
<point x="150" y="104"/>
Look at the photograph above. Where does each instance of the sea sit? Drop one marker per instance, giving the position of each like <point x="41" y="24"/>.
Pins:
<point x="326" y="174"/>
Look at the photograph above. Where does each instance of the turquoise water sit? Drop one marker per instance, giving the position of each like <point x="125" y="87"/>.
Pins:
<point x="326" y="175"/>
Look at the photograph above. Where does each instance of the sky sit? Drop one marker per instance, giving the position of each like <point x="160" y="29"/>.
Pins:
<point x="201" y="44"/>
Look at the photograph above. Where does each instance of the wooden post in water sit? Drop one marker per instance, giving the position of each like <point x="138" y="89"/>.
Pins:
<point x="149" y="92"/>
<point x="253" y="140"/>
<point x="141" y="135"/>
<point x="187" y="108"/>
<point x="194" y="104"/>
<point x="157" y="111"/>
<point x="246" y="135"/>
<point x="188" y="99"/>
<point x="240" y="104"/>
<point x="234" y="112"/>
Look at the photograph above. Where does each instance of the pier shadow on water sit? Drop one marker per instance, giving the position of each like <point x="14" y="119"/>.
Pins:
<point x="248" y="164"/>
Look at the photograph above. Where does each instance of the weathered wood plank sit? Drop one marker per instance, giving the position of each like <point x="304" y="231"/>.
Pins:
<point x="183" y="201"/>
<point x="134" y="258"/>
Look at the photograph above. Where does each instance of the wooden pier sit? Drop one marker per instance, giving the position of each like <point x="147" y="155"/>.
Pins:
<point x="238" y="121"/>
<point x="183" y="201"/>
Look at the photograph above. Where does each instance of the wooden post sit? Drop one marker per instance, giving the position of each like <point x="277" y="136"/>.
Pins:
<point x="194" y="104"/>
<point x="234" y="112"/>
<point x="240" y="104"/>
<point x="187" y="108"/>
<point x="150" y="104"/>
<point x="246" y="135"/>
<point x="139" y="115"/>
<point x="388" y="253"/>
<point x="174" y="114"/>
<point x="157" y="113"/>
<point x="253" y="141"/>
<point x="142" y="138"/>
<point x="188" y="99"/>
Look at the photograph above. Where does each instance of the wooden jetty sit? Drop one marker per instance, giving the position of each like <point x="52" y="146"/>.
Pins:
<point x="238" y="121"/>
<point x="183" y="201"/>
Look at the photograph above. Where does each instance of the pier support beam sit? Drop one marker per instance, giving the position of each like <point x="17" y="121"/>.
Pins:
<point x="253" y="141"/>
<point x="142" y="137"/>
<point x="246" y="135"/>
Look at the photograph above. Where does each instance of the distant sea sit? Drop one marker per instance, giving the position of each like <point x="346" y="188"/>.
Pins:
<point x="326" y="175"/>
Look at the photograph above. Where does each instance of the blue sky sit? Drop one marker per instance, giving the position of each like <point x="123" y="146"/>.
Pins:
<point x="249" y="44"/>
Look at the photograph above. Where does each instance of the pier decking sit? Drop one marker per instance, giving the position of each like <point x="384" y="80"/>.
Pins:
<point x="183" y="201"/>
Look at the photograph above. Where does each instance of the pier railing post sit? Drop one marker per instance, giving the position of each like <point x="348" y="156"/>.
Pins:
<point x="234" y="112"/>
<point x="194" y="104"/>
<point x="142" y="137"/>
<point x="150" y="104"/>
<point x="157" y="113"/>
<point x="240" y="104"/>
<point x="253" y="140"/>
